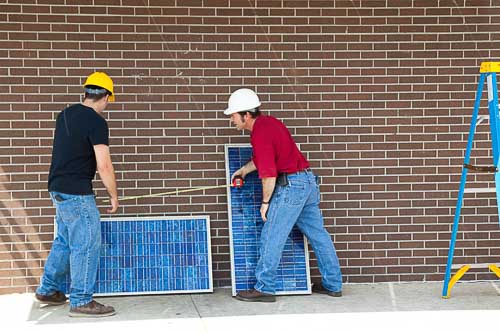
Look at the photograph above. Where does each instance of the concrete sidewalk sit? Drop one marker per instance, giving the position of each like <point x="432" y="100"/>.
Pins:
<point x="385" y="307"/>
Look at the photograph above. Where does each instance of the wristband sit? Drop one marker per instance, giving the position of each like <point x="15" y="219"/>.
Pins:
<point x="265" y="202"/>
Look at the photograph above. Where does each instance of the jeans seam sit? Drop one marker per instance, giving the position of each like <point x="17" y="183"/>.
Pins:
<point x="263" y="255"/>
<point x="274" y="211"/>
<point x="325" y="261"/>
<point x="79" y="237"/>
<point x="87" y="218"/>
<point x="81" y="303"/>
<point x="281" y="205"/>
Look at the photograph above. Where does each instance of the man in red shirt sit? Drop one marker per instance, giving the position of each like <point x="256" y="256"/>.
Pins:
<point x="290" y="197"/>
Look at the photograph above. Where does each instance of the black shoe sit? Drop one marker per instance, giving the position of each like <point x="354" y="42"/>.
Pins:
<point x="92" y="310"/>
<point x="318" y="288"/>
<point x="253" y="295"/>
<point x="57" y="298"/>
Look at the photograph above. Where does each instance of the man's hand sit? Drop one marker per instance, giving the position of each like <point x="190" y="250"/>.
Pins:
<point x="240" y="172"/>
<point x="114" y="205"/>
<point x="244" y="170"/>
<point x="263" y="211"/>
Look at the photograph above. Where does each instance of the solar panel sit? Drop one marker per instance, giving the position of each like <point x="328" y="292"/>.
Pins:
<point x="245" y="227"/>
<point x="154" y="255"/>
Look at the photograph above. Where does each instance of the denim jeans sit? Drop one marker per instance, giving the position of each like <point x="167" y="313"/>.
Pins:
<point x="76" y="248"/>
<point x="296" y="203"/>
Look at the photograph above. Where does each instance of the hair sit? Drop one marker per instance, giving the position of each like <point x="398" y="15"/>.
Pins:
<point x="95" y="93"/>
<point x="254" y="113"/>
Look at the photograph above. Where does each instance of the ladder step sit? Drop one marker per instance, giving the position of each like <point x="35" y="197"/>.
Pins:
<point x="456" y="266"/>
<point x="480" y="119"/>
<point x="480" y="190"/>
<point x="476" y="168"/>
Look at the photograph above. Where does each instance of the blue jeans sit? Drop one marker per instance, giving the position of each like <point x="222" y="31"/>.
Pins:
<point x="296" y="203"/>
<point x="76" y="248"/>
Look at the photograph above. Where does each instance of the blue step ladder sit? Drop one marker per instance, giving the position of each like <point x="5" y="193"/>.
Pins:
<point x="488" y="72"/>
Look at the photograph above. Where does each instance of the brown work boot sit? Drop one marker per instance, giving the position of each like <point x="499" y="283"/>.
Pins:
<point x="92" y="309"/>
<point x="318" y="288"/>
<point x="57" y="298"/>
<point x="253" y="295"/>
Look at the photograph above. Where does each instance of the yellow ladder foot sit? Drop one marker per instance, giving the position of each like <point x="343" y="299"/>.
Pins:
<point x="495" y="270"/>
<point x="458" y="275"/>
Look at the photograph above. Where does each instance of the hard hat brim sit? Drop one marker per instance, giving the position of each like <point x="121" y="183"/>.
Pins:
<point x="229" y="111"/>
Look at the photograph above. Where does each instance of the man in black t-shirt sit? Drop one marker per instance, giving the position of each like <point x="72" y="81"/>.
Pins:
<point x="81" y="146"/>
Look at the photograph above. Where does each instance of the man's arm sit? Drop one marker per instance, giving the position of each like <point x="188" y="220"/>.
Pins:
<point x="244" y="170"/>
<point x="107" y="174"/>
<point x="268" y="185"/>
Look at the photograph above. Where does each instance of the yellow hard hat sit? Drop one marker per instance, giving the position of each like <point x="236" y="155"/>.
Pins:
<point x="102" y="80"/>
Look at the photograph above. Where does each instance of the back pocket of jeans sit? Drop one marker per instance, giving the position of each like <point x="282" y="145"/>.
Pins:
<point x="294" y="193"/>
<point x="68" y="210"/>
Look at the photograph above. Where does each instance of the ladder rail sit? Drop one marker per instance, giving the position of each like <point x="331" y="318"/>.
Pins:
<point x="463" y="178"/>
<point x="495" y="128"/>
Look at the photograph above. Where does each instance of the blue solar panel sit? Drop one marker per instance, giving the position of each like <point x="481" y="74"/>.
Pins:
<point x="154" y="255"/>
<point x="245" y="229"/>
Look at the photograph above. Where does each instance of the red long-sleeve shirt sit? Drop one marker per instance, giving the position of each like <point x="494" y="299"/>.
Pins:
<point x="274" y="150"/>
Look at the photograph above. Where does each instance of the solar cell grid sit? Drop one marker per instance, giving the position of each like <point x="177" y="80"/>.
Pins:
<point x="156" y="255"/>
<point x="246" y="225"/>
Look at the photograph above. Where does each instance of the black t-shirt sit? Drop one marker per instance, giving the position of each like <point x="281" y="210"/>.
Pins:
<point x="78" y="129"/>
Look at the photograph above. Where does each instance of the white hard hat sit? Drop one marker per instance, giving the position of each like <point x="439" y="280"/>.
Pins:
<point x="241" y="100"/>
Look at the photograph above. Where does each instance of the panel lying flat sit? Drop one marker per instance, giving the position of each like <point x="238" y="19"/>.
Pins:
<point x="245" y="226"/>
<point x="154" y="255"/>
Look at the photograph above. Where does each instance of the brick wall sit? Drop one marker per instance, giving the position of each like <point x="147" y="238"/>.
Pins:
<point x="378" y="94"/>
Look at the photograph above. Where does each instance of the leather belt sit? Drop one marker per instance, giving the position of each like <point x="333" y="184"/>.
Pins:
<point x="304" y="170"/>
<point x="282" y="179"/>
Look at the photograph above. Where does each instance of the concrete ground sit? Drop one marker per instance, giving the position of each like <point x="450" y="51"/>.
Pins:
<point x="384" y="307"/>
